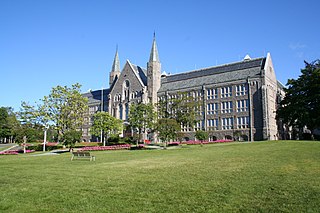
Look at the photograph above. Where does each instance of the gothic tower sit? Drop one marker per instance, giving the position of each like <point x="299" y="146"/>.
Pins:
<point x="154" y="73"/>
<point x="115" y="71"/>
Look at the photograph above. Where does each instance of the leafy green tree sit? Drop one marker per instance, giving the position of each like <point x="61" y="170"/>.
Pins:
<point x="30" y="126"/>
<point x="36" y="117"/>
<point x="104" y="123"/>
<point x="27" y="114"/>
<point x="32" y="133"/>
<point x="71" y="137"/>
<point x="167" y="129"/>
<point x="202" y="135"/>
<point x="65" y="108"/>
<point x="301" y="104"/>
<point x="183" y="108"/>
<point x="8" y="124"/>
<point x="142" y="117"/>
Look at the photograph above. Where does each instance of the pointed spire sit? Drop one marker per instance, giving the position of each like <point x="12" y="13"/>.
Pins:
<point x="154" y="56"/>
<point x="116" y="62"/>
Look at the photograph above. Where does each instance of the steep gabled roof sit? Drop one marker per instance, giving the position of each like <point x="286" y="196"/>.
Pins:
<point x="142" y="72"/>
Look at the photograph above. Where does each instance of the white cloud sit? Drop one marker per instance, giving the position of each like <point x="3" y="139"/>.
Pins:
<point x="297" y="46"/>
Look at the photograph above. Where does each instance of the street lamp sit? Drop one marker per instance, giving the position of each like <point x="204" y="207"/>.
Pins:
<point x="45" y="137"/>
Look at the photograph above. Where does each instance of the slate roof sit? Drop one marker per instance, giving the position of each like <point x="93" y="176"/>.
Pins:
<point x="94" y="96"/>
<point x="213" y="75"/>
<point x="142" y="73"/>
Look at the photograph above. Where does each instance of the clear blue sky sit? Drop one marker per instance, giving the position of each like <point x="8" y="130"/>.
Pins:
<point x="45" y="43"/>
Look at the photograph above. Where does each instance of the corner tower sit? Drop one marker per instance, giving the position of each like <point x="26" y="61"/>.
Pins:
<point x="115" y="71"/>
<point x="153" y="73"/>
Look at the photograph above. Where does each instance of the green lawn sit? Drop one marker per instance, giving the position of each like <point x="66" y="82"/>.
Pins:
<point x="237" y="177"/>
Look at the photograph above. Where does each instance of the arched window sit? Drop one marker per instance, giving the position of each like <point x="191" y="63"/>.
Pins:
<point x="125" y="89"/>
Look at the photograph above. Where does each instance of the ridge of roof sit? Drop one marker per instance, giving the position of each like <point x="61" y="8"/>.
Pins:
<point x="256" y="62"/>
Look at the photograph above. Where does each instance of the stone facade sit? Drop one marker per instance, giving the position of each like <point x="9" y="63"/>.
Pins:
<point x="238" y="100"/>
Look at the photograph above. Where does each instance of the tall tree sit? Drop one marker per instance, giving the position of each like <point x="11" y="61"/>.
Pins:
<point x="105" y="124"/>
<point x="8" y="124"/>
<point x="27" y="114"/>
<point x="301" y="104"/>
<point x="167" y="129"/>
<point x="31" y="123"/>
<point x="66" y="107"/>
<point x="142" y="117"/>
<point x="182" y="107"/>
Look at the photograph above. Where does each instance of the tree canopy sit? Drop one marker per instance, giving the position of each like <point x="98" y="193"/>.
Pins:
<point x="167" y="129"/>
<point x="202" y="135"/>
<point x="65" y="107"/>
<point x="106" y="124"/>
<point x="183" y="108"/>
<point x="301" y="104"/>
<point x="8" y="124"/>
<point x="142" y="117"/>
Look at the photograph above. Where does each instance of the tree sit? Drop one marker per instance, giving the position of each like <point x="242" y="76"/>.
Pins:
<point x="202" y="135"/>
<point x="65" y="108"/>
<point x="71" y="137"/>
<point x="142" y="117"/>
<point x="104" y="123"/>
<point x="167" y="129"/>
<point x="27" y="114"/>
<point x="8" y="124"/>
<point x="36" y="117"/>
<point x="183" y="108"/>
<point x="301" y="104"/>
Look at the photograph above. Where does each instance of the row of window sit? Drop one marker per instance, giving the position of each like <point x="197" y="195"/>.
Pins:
<point x="127" y="95"/>
<point x="212" y="93"/>
<point x="226" y="92"/>
<point x="227" y="107"/>
<point x="227" y="123"/>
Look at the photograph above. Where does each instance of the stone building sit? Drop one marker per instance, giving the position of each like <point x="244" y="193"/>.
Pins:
<point x="238" y="100"/>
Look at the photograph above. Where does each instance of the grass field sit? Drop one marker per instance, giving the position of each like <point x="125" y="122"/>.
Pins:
<point x="236" y="177"/>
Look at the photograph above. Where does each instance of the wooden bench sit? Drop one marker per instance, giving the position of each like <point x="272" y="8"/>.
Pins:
<point x="82" y="155"/>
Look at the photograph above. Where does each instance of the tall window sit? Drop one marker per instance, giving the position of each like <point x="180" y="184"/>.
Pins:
<point x="226" y="92"/>
<point x="127" y="111"/>
<point x="120" y="111"/>
<point x="243" y="122"/>
<point x="212" y="93"/>
<point x="126" y="86"/>
<point x="198" y="126"/>
<point x="185" y="128"/>
<point x="227" y="123"/>
<point x="242" y="105"/>
<point x="226" y="107"/>
<point x="212" y="108"/>
<point x="212" y="124"/>
<point x="241" y="90"/>
<point x="92" y="110"/>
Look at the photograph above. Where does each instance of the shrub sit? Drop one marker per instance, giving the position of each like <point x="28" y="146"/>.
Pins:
<point x="114" y="139"/>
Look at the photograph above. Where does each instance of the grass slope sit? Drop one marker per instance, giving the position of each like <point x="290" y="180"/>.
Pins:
<point x="237" y="177"/>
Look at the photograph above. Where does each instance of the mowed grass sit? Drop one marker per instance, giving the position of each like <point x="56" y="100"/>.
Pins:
<point x="238" y="177"/>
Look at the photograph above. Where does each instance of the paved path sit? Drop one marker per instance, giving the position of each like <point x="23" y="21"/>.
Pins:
<point x="8" y="146"/>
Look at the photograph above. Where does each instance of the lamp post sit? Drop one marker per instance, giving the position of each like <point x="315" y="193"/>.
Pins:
<point x="45" y="138"/>
<point x="101" y="109"/>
